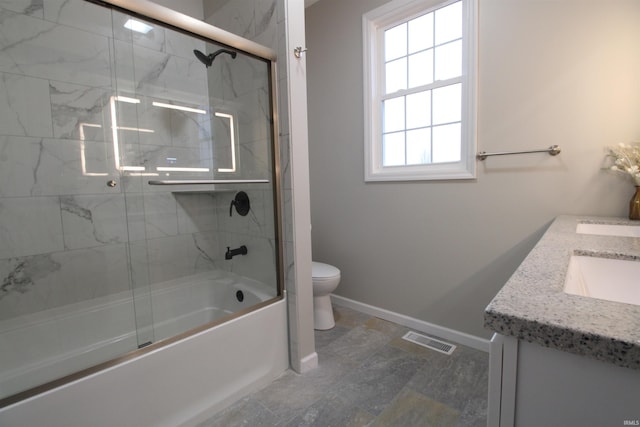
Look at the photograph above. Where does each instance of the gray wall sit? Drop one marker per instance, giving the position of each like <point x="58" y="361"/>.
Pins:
<point x="562" y="72"/>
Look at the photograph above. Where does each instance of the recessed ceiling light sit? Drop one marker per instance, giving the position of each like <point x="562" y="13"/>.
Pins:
<point x="138" y="26"/>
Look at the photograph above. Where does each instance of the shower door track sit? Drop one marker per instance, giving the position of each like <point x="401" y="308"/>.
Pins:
<point x="166" y="16"/>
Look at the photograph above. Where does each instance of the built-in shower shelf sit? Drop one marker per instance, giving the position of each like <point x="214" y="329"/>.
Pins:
<point x="207" y="181"/>
<point x="204" y="191"/>
<point x="184" y="185"/>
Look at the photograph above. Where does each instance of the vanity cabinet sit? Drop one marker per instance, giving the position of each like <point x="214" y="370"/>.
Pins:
<point x="564" y="359"/>
<point x="533" y="386"/>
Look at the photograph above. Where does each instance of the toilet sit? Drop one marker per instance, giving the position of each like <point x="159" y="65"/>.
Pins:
<point x="325" y="280"/>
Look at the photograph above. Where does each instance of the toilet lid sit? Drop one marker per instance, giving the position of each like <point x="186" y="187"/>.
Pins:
<point x="320" y="270"/>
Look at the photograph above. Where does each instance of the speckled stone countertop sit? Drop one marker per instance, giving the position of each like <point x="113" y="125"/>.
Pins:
<point x="532" y="305"/>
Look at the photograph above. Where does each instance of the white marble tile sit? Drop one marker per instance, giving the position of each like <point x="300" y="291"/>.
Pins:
<point x="44" y="49"/>
<point x="122" y="67"/>
<point x="141" y="156"/>
<point x="140" y="286"/>
<point x="182" y="45"/>
<point x="191" y="130"/>
<point x="160" y="214"/>
<point x="283" y="107"/>
<point x="258" y="222"/>
<point x="207" y="254"/>
<point x="26" y="284"/>
<point x="156" y="119"/>
<point x="79" y="14"/>
<point x="45" y="167"/>
<point x="29" y="226"/>
<point x="95" y="272"/>
<point x="285" y="164"/>
<point x="24" y="106"/>
<point x="154" y="39"/>
<point x="90" y="221"/>
<point x="255" y="160"/>
<point x="221" y="143"/>
<point x="170" y="77"/>
<point x="163" y="126"/>
<point x="135" y="217"/>
<point x="133" y="184"/>
<point x="153" y="156"/>
<point x="230" y="78"/>
<point x="254" y="117"/>
<point x="196" y="212"/>
<point x="34" y="283"/>
<point x="180" y="256"/>
<point x="266" y="23"/>
<point x="80" y="112"/>
<point x="258" y="263"/>
<point x="287" y="215"/>
<point x="27" y="7"/>
<point x="19" y="158"/>
<point x="166" y="258"/>
<point x="235" y="16"/>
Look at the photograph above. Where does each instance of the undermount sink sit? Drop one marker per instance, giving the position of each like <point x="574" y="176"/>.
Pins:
<point x="609" y="229"/>
<point x="604" y="278"/>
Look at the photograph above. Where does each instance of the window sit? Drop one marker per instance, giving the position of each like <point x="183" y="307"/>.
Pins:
<point x="419" y="61"/>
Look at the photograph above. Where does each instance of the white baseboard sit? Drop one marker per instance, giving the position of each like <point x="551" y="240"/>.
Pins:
<point x="308" y="362"/>
<point x="419" y="325"/>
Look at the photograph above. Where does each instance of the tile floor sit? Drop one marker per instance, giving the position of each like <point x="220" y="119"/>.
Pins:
<point x="369" y="376"/>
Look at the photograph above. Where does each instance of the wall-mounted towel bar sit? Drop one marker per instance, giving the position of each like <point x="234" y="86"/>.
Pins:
<point x="554" y="150"/>
<point x="208" y="181"/>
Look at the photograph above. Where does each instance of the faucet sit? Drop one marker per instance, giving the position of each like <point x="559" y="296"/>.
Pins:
<point x="242" y="250"/>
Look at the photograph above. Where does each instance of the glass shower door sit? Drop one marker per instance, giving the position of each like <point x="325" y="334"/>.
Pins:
<point x="65" y="295"/>
<point x="194" y="128"/>
<point x="124" y="149"/>
<point x="192" y="112"/>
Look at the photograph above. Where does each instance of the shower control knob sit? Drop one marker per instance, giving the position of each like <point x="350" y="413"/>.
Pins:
<point x="111" y="183"/>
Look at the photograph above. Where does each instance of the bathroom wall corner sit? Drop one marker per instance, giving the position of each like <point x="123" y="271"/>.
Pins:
<point x="302" y="345"/>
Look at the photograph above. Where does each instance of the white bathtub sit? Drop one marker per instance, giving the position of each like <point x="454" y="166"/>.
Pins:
<point x="218" y="365"/>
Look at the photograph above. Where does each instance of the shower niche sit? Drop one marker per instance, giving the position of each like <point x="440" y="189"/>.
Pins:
<point x="119" y="166"/>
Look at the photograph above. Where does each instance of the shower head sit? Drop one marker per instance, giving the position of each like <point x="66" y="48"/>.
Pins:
<point x="207" y="60"/>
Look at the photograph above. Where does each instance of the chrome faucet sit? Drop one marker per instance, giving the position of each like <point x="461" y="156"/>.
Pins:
<point x="242" y="250"/>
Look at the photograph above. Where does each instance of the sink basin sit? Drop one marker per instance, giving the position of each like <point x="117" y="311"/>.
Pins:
<point x="604" y="278"/>
<point x="609" y="229"/>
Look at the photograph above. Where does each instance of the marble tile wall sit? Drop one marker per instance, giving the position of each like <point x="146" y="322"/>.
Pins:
<point x="264" y="21"/>
<point x="65" y="235"/>
<point x="240" y="82"/>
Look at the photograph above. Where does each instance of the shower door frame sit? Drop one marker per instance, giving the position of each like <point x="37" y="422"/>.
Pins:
<point x="186" y="24"/>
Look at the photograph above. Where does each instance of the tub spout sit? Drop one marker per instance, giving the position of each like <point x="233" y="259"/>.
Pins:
<point x="242" y="250"/>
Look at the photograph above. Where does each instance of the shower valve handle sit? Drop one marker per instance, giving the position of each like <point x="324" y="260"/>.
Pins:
<point x="241" y="203"/>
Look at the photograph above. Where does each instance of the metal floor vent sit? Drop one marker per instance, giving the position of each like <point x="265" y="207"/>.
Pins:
<point x="429" y="342"/>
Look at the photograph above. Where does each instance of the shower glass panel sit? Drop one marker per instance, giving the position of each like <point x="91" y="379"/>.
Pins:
<point x="124" y="145"/>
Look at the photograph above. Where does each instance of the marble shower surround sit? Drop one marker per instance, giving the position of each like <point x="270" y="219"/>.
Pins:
<point x="66" y="236"/>
<point x="265" y="22"/>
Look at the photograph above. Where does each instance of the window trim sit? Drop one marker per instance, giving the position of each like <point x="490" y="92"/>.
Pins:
<point x="373" y="23"/>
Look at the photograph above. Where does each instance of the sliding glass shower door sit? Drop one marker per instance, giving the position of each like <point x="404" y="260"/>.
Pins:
<point x="136" y="163"/>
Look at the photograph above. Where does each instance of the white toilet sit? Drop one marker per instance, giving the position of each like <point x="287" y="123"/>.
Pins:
<point x="325" y="280"/>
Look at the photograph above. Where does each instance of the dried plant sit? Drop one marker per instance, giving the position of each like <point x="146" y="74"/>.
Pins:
<point x="626" y="159"/>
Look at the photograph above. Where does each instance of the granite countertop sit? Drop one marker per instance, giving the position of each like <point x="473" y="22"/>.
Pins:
<point x="533" y="307"/>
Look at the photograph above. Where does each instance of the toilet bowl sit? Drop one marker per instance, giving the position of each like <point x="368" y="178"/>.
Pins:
<point x="325" y="280"/>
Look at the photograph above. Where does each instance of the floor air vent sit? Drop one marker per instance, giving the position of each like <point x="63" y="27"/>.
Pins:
<point x="429" y="342"/>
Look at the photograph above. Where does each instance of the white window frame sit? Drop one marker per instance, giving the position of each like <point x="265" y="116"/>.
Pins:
<point x="373" y="25"/>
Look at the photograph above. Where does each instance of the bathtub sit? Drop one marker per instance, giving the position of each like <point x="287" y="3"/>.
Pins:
<point x="180" y="383"/>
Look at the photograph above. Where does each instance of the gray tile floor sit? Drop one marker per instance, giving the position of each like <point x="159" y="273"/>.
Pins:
<point x="369" y="376"/>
